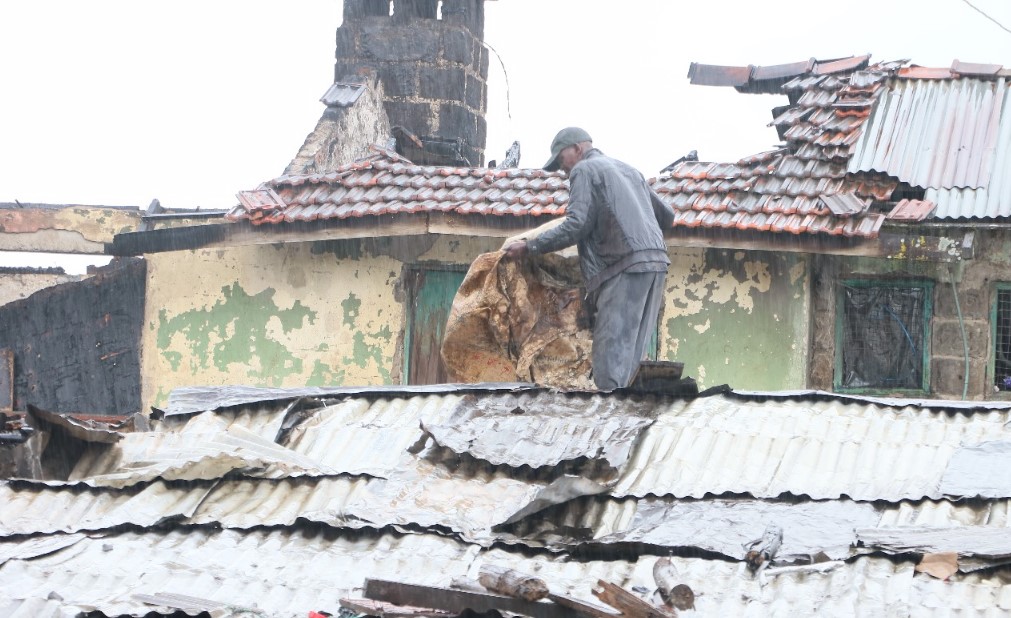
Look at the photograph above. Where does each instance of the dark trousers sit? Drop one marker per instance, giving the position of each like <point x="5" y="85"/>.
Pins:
<point x="627" y="308"/>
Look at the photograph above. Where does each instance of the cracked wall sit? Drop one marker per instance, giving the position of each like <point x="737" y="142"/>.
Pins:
<point x="269" y="315"/>
<point x="737" y="318"/>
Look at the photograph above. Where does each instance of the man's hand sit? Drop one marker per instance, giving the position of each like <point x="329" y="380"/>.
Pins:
<point x="515" y="250"/>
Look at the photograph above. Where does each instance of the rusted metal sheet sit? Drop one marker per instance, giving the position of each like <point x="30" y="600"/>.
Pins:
<point x="936" y="134"/>
<point x="511" y="430"/>
<point x="82" y="430"/>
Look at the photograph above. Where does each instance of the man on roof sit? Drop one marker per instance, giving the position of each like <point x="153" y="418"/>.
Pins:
<point x="615" y="219"/>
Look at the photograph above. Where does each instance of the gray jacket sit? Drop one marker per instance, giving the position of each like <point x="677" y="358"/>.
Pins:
<point x="613" y="217"/>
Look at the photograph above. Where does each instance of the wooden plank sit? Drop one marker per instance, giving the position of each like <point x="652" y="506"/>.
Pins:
<point x="460" y="600"/>
<point x="587" y="609"/>
<point x="628" y="604"/>
<point x="244" y="233"/>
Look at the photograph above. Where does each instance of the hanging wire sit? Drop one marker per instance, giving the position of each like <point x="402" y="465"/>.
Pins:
<point x="984" y="14"/>
<point x="509" y="112"/>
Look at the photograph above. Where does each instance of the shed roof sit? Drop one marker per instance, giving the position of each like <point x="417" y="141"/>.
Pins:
<point x="873" y="132"/>
<point x="414" y="486"/>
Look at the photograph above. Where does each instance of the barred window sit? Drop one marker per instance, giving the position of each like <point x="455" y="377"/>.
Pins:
<point x="1001" y="324"/>
<point x="882" y="336"/>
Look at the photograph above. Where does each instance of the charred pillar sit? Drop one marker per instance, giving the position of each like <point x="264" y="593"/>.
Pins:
<point x="432" y="62"/>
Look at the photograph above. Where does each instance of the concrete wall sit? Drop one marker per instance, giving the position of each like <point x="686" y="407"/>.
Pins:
<point x="334" y="314"/>
<point x="737" y="318"/>
<point x="17" y="285"/>
<point x="319" y="314"/>
<point x="975" y="284"/>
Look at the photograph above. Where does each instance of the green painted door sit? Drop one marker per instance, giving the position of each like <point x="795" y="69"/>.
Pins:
<point x="432" y="293"/>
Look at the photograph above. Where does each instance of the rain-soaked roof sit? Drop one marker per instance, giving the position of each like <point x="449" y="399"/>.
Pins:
<point x="862" y="131"/>
<point x="284" y="501"/>
<point x="859" y="139"/>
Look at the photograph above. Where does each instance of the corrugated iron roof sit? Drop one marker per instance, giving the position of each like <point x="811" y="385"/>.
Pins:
<point x="937" y="134"/>
<point x="816" y="450"/>
<point x="284" y="574"/>
<point x="286" y="545"/>
<point x="32" y="509"/>
<point x="947" y="131"/>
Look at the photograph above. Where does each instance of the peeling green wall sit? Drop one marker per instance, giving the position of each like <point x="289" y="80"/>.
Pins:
<point x="302" y="314"/>
<point x="737" y="318"/>
<point x="269" y="315"/>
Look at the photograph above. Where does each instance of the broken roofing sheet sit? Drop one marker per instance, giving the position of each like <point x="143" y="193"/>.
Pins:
<point x="543" y="429"/>
<point x="411" y="495"/>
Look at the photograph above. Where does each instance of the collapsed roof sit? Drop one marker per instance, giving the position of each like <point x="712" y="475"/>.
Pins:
<point x="284" y="501"/>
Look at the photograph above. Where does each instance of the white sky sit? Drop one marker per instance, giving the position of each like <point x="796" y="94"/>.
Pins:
<point x="119" y="102"/>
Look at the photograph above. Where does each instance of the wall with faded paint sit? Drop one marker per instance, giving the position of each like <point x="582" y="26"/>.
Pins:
<point x="269" y="315"/>
<point x="334" y="313"/>
<point x="737" y="318"/>
<point x="975" y="286"/>
<point x="63" y="229"/>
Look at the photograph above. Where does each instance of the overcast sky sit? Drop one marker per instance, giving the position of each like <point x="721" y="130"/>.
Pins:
<point x="120" y="102"/>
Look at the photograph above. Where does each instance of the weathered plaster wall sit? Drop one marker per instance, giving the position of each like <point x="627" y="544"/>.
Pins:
<point x="344" y="135"/>
<point x="975" y="284"/>
<point x="737" y="318"/>
<point x="18" y="285"/>
<point x="269" y="315"/>
<point x="63" y="229"/>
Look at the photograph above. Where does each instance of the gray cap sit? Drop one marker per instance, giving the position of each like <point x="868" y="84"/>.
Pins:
<point x="568" y="136"/>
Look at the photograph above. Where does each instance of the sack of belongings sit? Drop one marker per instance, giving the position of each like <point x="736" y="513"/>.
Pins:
<point x="519" y="321"/>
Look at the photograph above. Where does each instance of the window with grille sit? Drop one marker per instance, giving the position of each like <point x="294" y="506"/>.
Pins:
<point x="882" y="336"/>
<point x="1001" y="325"/>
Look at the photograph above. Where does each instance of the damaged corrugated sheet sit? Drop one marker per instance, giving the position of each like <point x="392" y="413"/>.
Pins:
<point x="32" y="509"/>
<point x="566" y="486"/>
<point x="82" y="430"/>
<point x="816" y="449"/>
<point x="203" y="449"/>
<point x="283" y="571"/>
<point x="982" y="470"/>
<point x="194" y="399"/>
<point x="543" y="429"/>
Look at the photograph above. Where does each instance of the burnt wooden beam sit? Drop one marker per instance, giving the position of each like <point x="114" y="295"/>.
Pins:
<point x="459" y="601"/>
